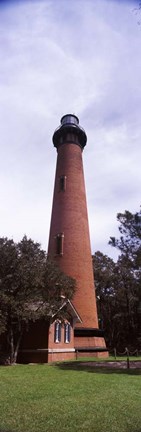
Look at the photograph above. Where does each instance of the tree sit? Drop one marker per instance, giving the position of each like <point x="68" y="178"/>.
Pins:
<point x="128" y="267"/>
<point x="127" y="300"/>
<point x="129" y="242"/>
<point x="31" y="287"/>
<point x="104" y="275"/>
<point x="118" y="285"/>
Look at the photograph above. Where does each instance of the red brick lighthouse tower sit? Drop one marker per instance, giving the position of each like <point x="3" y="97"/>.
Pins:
<point x="69" y="241"/>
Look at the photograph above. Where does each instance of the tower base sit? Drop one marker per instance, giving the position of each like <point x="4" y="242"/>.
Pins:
<point x="89" y="342"/>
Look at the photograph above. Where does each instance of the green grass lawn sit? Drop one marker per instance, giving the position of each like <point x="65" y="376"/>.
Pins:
<point x="69" y="397"/>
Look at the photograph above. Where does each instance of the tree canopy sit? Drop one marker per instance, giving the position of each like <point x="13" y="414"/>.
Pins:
<point x="118" y="285"/>
<point x="31" y="287"/>
<point x="129" y="242"/>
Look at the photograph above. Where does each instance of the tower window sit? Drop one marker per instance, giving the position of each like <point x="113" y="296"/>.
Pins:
<point x="59" y="244"/>
<point x="67" y="332"/>
<point x="57" y="333"/>
<point x="62" y="183"/>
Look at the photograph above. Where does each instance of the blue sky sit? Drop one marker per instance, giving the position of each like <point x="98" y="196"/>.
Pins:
<point x="57" y="57"/>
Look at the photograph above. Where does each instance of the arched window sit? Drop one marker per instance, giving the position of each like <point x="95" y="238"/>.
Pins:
<point x="57" y="332"/>
<point x="67" y="332"/>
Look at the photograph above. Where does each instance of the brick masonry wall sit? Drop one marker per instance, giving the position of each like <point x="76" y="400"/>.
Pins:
<point x="69" y="216"/>
<point x="60" y="345"/>
<point x="54" y="357"/>
<point x="90" y="342"/>
<point x="65" y="350"/>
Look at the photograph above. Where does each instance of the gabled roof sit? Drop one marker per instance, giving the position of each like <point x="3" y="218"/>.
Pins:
<point x="71" y="309"/>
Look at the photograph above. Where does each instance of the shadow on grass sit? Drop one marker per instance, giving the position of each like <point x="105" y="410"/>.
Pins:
<point x="103" y="368"/>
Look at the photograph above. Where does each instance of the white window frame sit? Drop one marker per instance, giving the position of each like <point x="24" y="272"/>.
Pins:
<point x="57" y="332"/>
<point x="67" y="332"/>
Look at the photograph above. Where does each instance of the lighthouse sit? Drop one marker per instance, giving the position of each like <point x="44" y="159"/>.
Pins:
<point x="78" y="333"/>
<point x="69" y="239"/>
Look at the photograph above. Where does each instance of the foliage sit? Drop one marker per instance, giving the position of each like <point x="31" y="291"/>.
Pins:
<point x="104" y="274"/>
<point x="129" y="242"/>
<point x="30" y="288"/>
<point x="129" y="275"/>
<point x="118" y="285"/>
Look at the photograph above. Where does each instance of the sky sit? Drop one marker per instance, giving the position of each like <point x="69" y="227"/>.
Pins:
<point x="59" y="57"/>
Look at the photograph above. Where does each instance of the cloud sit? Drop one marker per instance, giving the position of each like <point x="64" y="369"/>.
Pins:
<point x="58" y="57"/>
